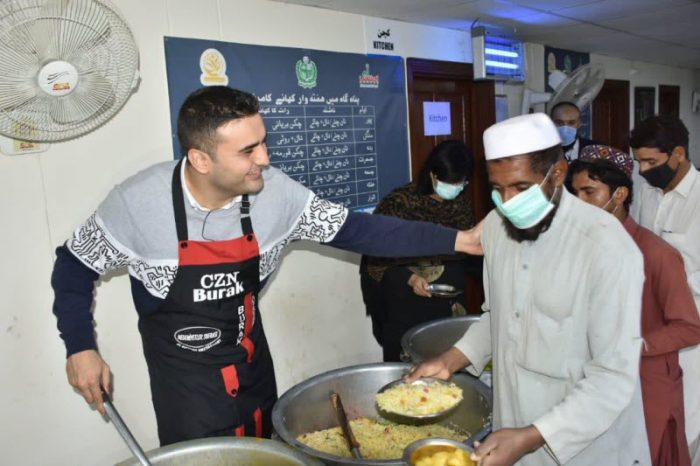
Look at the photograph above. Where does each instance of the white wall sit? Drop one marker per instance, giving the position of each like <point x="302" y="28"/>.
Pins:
<point x="313" y="311"/>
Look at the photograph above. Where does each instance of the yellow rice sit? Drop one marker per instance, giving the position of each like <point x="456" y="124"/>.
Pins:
<point x="378" y="439"/>
<point x="419" y="399"/>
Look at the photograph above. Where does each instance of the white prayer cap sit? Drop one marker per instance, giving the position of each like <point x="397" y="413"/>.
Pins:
<point x="520" y="135"/>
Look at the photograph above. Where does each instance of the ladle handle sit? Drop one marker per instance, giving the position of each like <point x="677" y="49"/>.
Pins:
<point x="345" y="425"/>
<point x="123" y="430"/>
<point x="481" y="435"/>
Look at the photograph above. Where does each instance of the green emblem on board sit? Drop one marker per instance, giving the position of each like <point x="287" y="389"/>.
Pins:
<point x="306" y="73"/>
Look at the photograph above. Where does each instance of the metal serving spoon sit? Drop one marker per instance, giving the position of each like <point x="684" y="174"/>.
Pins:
<point x="123" y="430"/>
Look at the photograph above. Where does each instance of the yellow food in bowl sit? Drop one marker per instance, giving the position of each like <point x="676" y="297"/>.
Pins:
<point x="452" y="457"/>
<point x="419" y="399"/>
<point x="377" y="439"/>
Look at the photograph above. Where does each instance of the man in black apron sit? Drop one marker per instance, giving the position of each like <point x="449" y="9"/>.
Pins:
<point x="185" y="232"/>
<point x="208" y="332"/>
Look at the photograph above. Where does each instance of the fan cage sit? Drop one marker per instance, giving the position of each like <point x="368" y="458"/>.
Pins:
<point x="93" y="37"/>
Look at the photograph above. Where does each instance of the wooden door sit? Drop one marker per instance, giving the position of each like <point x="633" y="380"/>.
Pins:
<point x="611" y="114"/>
<point x="669" y="100"/>
<point x="472" y="110"/>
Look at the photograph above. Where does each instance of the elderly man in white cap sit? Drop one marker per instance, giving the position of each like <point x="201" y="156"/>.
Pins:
<point x="563" y="286"/>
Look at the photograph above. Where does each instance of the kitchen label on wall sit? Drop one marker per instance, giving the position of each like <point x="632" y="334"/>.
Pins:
<point x="436" y="119"/>
<point x="382" y="36"/>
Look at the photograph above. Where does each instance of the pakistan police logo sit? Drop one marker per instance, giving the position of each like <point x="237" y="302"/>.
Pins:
<point x="306" y="73"/>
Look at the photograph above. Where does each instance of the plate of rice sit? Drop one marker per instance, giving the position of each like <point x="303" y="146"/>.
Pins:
<point x="423" y="399"/>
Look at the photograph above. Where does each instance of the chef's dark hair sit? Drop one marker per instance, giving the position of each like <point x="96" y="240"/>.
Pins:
<point x="450" y="161"/>
<point x="606" y="172"/>
<point x="205" y="110"/>
<point x="662" y="132"/>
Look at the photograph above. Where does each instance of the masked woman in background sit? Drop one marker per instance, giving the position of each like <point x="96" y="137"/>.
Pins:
<point x="395" y="290"/>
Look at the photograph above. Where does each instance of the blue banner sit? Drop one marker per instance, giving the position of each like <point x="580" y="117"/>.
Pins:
<point x="336" y="122"/>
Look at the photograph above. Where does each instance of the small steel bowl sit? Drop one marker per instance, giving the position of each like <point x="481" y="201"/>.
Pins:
<point x="403" y="418"/>
<point x="440" y="290"/>
<point x="429" y="446"/>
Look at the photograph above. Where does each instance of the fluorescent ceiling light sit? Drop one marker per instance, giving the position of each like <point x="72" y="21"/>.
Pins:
<point x="497" y="64"/>
<point x="501" y="53"/>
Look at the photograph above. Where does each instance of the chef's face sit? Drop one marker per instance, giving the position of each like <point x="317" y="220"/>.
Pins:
<point x="241" y="156"/>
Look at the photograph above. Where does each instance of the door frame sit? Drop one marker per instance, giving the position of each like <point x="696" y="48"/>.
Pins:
<point x="482" y="105"/>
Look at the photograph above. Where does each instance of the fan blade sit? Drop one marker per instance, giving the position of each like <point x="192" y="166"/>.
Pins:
<point x="93" y="96"/>
<point x="25" y="124"/>
<point x="45" y="30"/>
<point x="16" y="94"/>
<point x="17" y="46"/>
<point x="77" y="39"/>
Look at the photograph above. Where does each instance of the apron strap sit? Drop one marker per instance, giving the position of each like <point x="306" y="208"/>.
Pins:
<point x="181" y="216"/>
<point x="246" y="224"/>
<point x="179" y="204"/>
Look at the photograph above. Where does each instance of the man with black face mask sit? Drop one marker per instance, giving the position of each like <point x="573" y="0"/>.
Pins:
<point x="670" y="206"/>
<point x="563" y="285"/>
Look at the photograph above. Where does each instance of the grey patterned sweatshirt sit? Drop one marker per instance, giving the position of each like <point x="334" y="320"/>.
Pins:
<point x="134" y="227"/>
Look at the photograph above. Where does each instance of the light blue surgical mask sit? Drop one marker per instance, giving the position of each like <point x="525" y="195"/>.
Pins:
<point x="612" y="196"/>
<point x="448" y="191"/>
<point x="567" y="134"/>
<point x="528" y="208"/>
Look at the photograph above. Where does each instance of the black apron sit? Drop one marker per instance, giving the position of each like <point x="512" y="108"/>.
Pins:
<point x="210" y="367"/>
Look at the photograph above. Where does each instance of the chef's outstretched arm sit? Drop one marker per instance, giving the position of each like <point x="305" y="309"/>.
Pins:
<point x="469" y="241"/>
<point x="383" y="236"/>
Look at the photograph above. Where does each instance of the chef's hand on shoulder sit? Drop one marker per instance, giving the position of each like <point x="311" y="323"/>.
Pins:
<point x="419" y="285"/>
<point x="469" y="241"/>
<point x="87" y="372"/>
<point x="441" y="367"/>
<point x="506" y="446"/>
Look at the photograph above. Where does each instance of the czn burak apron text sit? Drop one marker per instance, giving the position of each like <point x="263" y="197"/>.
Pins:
<point x="208" y="360"/>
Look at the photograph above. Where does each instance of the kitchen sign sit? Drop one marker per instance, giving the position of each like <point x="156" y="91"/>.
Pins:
<point x="436" y="119"/>
<point x="382" y="37"/>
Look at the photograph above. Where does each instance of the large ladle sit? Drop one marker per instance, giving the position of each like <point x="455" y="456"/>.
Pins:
<point x="123" y="430"/>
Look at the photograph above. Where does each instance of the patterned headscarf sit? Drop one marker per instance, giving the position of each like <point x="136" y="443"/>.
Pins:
<point x="622" y="160"/>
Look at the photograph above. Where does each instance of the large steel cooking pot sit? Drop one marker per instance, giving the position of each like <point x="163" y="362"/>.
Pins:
<point x="227" y="451"/>
<point x="425" y="341"/>
<point x="306" y="407"/>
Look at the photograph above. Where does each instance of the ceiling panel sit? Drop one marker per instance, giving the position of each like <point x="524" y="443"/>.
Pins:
<point x="669" y="17"/>
<point x="546" y="20"/>
<point x="612" y="9"/>
<point x="551" y="5"/>
<point x="387" y="8"/>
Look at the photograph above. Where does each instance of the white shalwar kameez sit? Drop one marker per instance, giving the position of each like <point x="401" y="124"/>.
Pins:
<point x="562" y="322"/>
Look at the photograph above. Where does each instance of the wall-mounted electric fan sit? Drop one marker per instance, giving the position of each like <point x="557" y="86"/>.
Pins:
<point x="580" y="88"/>
<point x="66" y="67"/>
